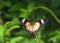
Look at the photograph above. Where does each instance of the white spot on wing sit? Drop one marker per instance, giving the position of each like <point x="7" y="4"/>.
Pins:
<point x="23" y="20"/>
<point x="42" y="21"/>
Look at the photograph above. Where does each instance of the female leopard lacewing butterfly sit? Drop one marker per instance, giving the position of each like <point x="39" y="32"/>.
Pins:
<point x="32" y="27"/>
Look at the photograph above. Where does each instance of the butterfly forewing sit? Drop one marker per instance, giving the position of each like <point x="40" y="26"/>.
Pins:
<point x="29" y="26"/>
<point x="36" y="26"/>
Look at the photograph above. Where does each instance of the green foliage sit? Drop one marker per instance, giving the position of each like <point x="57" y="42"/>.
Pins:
<point x="1" y="31"/>
<point x="12" y="32"/>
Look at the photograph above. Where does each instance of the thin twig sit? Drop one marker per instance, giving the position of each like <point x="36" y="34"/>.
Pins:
<point x="50" y="11"/>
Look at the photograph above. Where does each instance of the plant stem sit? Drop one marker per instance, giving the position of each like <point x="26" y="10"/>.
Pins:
<point x="50" y="11"/>
<point x="3" y="34"/>
<point x="37" y="38"/>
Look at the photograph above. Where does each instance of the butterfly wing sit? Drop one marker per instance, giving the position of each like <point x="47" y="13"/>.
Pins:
<point x="26" y="24"/>
<point x="23" y="20"/>
<point x="32" y="27"/>
<point x="39" y="23"/>
<point x="43" y="21"/>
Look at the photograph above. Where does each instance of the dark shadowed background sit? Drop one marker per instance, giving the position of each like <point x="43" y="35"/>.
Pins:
<point x="10" y="27"/>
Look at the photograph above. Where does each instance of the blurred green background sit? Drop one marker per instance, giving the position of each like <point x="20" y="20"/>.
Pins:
<point x="10" y="27"/>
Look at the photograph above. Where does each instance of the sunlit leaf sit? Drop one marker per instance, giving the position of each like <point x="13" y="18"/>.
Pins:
<point x="30" y="7"/>
<point x="1" y="31"/>
<point x="16" y="39"/>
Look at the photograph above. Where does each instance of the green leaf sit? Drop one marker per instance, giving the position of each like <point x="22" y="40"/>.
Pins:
<point x="24" y="14"/>
<point x="32" y="40"/>
<point x="16" y="39"/>
<point x="12" y="28"/>
<point x="23" y="10"/>
<point x="14" y="22"/>
<point x="30" y="7"/>
<point x="14" y="8"/>
<point x="26" y="41"/>
<point x="1" y="31"/>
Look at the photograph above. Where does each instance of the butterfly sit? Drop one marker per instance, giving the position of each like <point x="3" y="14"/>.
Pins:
<point x="32" y="27"/>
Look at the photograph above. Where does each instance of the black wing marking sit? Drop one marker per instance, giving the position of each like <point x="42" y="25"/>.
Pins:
<point x="23" y="20"/>
<point x="24" y="24"/>
<point x="43" y="21"/>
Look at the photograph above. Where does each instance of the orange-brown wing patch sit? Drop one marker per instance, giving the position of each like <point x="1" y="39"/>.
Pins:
<point x="32" y="27"/>
<point x="36" y="26"/>
<point x="29" y="27"/>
